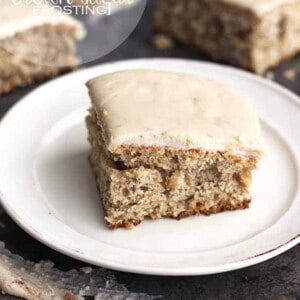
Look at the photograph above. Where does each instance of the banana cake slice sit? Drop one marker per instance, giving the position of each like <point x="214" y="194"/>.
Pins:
<point x="37" y="41"/>
<point x="252" y="34"/>
<point x="170" y="145"/>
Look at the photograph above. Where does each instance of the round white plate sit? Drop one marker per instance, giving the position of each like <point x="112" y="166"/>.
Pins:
<point x="48" y="188"/>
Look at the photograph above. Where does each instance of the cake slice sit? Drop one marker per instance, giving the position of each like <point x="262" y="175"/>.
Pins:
<point x="36" y="42"/>
<point x="170" y="145"/>
<point x="255" y="35"/>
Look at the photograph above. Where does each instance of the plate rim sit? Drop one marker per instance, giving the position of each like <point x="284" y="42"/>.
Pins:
<point x="153" y="270"/>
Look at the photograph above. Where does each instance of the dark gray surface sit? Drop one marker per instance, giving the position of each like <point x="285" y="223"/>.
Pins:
<point x="278" y="278"/>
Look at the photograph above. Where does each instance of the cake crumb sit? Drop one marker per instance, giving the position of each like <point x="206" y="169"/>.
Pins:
<point x="270" y="75"/>
<point x="188" y="142"/>
<point x="290" y="74"/>
<point x="86" y="270"/>
<point x="162" y="42"/>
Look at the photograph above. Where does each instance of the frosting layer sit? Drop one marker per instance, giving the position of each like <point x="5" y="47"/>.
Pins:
<point x="156" y="108"/>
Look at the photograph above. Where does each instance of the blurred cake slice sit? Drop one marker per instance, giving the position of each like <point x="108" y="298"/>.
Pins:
<point x="36" y="42"/>
<point x="251" y="34"/>
<point x="170" y="145"/>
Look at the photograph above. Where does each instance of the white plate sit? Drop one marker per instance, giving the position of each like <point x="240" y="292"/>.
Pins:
<point x="48" y="188"/>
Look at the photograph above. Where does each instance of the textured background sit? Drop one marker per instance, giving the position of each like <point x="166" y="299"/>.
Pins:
<point x="278" y="278"/>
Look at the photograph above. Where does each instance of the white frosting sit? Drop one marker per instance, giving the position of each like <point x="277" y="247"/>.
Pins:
<point x="21" y="17"/>
<point x="155" y="108"/>
<point x="260" y="7"/>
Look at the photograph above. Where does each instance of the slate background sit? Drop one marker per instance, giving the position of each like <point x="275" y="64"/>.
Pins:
<point x="278" y="278"/>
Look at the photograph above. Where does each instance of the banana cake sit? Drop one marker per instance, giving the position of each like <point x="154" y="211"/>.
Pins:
<point x="253" y="34"/>
<point x="170" y="145"/>
<point x="36" y="42"/>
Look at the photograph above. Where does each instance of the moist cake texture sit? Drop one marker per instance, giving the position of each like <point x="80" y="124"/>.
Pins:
<point x="170" y="145"/>
<point x="35" y="45"/>
<point x="255" y="35"/>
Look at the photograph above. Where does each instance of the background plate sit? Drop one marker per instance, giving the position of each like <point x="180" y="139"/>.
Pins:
<point x="48" y="188"/>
